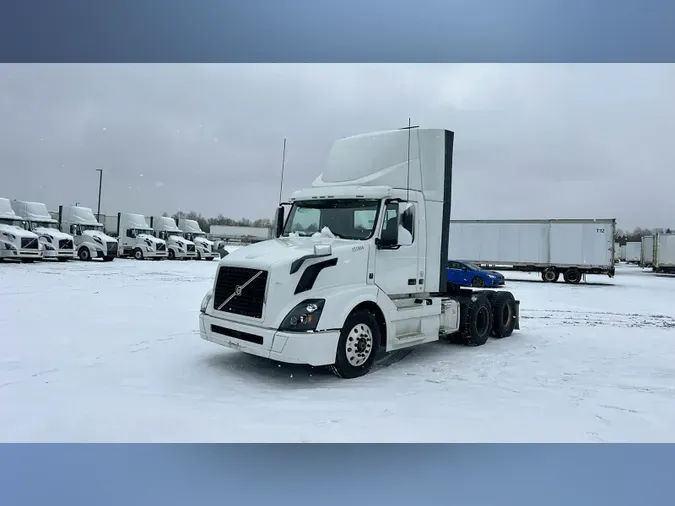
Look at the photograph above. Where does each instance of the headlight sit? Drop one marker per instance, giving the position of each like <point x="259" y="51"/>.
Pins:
<point x="492" y="276"/>
<point x="303" y="317"/>
<point x="49" y="246"/>
<point x="205" y="301"/>
<point x="10" y="247"/>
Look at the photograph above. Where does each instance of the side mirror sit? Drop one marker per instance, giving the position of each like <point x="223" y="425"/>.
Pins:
<point x="279" y="222"/>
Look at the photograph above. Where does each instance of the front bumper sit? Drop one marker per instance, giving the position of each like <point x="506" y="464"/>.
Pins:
<point x="497" y="282"/>
<point x="155" y="254"/>
<point x="310" y="348"/>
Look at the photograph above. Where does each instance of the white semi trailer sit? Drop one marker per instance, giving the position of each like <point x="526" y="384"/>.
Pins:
<point x="572" y="248"/>
<point x="193" y="232"/>
<point x="336" y="296"/>
<point x="633" y="252"/>
<point x="136" y="238"/>
<point x="664" y="253"/>
<point x="178" y="247"/>
<point x="647" y="253"/>
<point x="16" y="243"/>
<point x="55" y="244"/>
<point x="90" y="239"/>
<point x="622" y="253"/>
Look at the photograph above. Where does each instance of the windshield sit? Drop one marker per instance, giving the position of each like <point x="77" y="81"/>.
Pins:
<point x="43" y="224"/>
<point x="9" y="221"/>
<point x="165" y="235"/>
<point x="472" y="266"/>
<point x="92" y="227"/>
<point x="346" y="218"/>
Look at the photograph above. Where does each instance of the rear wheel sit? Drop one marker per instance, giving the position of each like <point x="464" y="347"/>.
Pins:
<point x="572" y="275"/>
<point x="358" y="345"/>
<point x="550" y="275"/>
<point x="503" y="314"/>
<point x="478" y="322"/>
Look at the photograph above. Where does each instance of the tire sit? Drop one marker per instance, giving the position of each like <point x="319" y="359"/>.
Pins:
<point x="572" y="276"/>
<point x="199" y="255"/>
<point x="84" y="254"/>
<point x="550" y="276"/>
<point x="478" y="282"/>
<point x="138" y="254"/>
<point x="477" y="325"/>
<point x="360" y="329"/>
<point x="503" y="314"/>
<point x="108" y="259"/>
<point x="63" y="259"/>
<point x="172" y="255"/>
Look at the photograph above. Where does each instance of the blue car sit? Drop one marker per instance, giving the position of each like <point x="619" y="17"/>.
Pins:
<point x="468" y="274"/>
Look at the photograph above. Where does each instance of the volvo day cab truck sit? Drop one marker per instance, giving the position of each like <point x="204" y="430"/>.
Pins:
<point x="178" y="247"/>
<point x="136" y="238"/>
<point x="90" y="239"/>
<point x="359" y="265"/>
<point x="15" y="242"/>
<point x="193" y="232"/>
<point x="55" y="244"/>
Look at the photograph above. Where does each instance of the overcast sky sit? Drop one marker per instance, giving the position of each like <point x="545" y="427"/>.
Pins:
<point x="532" y="141"/>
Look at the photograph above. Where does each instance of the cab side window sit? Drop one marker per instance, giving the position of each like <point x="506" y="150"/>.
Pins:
<point x="406" y="231"/>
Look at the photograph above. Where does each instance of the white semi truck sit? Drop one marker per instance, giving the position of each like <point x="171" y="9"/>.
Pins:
<point x="178" y="247"/>
<point x="136" y="238"/>
<point x="647" y="253"/>
<point x="16" y="243"/>
<point x="551" y="247"/>
<point x="90" y="239"/>
<point x="633" y="252"/>
<point x="337" y="296"/>
<point x="664" y="253"/>
<point x="193" y="232"/>
<point x="55" y="244"/>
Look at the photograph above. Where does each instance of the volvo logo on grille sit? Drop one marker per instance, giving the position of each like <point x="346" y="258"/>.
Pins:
<point x="239" y="290"/>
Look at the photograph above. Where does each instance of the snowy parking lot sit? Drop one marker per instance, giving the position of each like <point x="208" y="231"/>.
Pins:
<point x="110" y="352"/>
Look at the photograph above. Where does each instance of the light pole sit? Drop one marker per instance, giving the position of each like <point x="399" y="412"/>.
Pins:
<point x="100" y="183"/>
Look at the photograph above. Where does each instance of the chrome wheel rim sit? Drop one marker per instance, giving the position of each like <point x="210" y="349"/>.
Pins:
<point x="359" y="345"/>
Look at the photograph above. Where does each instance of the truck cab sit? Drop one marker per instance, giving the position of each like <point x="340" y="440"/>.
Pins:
<point x="359" y="265"/>
<point x="88" y="235"/>
<point x="56" y="244"/>
<point x="193" y="232"/>
<point x="16" y="242"/>
<point x="137" y="238"/>
<point x="178" y="247"/>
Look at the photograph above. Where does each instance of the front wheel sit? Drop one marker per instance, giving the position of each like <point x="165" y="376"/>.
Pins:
<point x="138" y="254"/>
<point x="358" y="345"/>
<point x="172" y="255"/>
<point x="199" y="255"/>
<point x="84" y="254"/>
<point x="478" y="282"/>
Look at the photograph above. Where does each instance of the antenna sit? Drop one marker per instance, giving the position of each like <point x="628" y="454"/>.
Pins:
<point x="283" y="165"/>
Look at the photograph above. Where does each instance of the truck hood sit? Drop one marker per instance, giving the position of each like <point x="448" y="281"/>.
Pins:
<point x="266" y="254"/>
<point x="151" y="238"/>
<point x="56" y="234"/>
<point x="17" y="231"/>
<point x="179" y="239"/>
<point x="96" y="233"/>
<point x="203" y="240"/>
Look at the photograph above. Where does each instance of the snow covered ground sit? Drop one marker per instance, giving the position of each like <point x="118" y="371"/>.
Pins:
<point x="110" y="352"/>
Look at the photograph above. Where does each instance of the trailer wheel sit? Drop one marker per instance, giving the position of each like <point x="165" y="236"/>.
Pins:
<point x="84" y="254"/>
<point x="138" y="254"/>
<point x="478" y="322"/>
<point x="503" y="314"/>
<point x="550" y="275"/>
<point x="358" y="345"/>
<point x="572" y="275"/>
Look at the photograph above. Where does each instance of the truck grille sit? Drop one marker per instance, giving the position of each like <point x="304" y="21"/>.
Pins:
<point x="191" y="248"/>
<point x="161" y="247"/>
<point x="112" y="249"/>
<point x="29" y="243"/>
<point x="65" y="244"/>
<point x="252" y="296"/>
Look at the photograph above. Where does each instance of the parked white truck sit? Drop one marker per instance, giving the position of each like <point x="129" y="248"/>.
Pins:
<point x="178" y="247"/>
<point x="55" y="244"/>
<point x="16" y="243"/>
<point x="552" y="247"/>
<point x="633" y="252"/>
<point x="193" y="232"/>
<point x="664" y="253"/>
<point x="622" y="253"/>
<point x="136" y="238"/>
<point x="337" y="296"/>
<point x="90" y="239"/>
<point x="647" y="253"/>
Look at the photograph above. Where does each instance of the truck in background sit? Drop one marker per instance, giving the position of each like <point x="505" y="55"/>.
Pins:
<point x="622" y="253"/>
<point x="16" y="243"/>
<point x="178" y="247"/>
<point x="647" y="251"/>
<point x="330" y="291"/>
<point x="136" y="238"/>
<point x="56" y="244"/>
<point x="569" y="247"/>
<point x="664" y="253"/>
<point x="633" y="252"/>
<point x="88" y="235"/>
<point x="193" y="232"/>
<point x="240" y="233"/>
<point x="617" y="252"/>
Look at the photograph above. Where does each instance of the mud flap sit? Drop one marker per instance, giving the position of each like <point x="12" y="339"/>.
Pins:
<point x="517" y="325"/>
